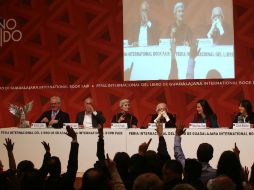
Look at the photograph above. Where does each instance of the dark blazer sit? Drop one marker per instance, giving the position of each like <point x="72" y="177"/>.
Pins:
<point x="248" y="119"/>
<point x="170" y="124"/>
<point x="129" y="119"/>
<point x="62" y="117"/>
<point x="96" y="119"/>
<point x="152" y="33"/>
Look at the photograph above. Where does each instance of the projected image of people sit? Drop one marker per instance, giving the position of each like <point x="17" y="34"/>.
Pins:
<point x="144" y="31"/>
<point x="178" y="40"/>
<point x="180" y="31"/>
<point x="219" y="30"/>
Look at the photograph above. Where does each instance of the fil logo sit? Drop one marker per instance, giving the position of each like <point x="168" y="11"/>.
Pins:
<point x="8" y="31"/>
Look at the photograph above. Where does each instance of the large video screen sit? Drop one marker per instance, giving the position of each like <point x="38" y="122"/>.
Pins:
<point x="175" y="40"/>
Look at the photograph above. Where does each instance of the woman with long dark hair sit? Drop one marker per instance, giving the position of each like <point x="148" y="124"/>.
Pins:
<point x="245" y="114"/>
<point x="205" y="114"/>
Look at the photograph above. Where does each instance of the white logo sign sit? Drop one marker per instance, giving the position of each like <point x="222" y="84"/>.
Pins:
<point x="8" y="31"/>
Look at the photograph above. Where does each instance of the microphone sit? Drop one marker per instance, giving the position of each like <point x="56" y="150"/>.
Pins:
<point x="143" y="122"/>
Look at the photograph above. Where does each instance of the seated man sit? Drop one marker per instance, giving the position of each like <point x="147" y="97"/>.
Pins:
<point x="89" y="117"/>
<point x="163" y="116"/>
<point x="145" y="31"/>
<point x="54" y="117"/>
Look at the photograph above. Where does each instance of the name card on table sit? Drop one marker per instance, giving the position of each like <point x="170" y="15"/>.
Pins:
<point x="72" y="125"/>
<point x="197" y="125"/>
<point x="119" y="125"/>
<point x="153" y="125"/>
<point x="38" y="126"/>
<point x="241" y="125"/>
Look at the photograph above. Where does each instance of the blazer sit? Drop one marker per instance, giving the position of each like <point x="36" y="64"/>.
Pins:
<point x="61" y="116"/>
<point x="96" y="119"/>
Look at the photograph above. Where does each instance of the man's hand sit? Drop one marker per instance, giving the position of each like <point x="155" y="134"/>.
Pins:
<point x="46" y="146"/>
<point x="143" y="147"/>
<point x="180" y="129"/>
<point x="71" y="133"/>
<point x="52" y="122"/>
<point x="8" y="145"/>
<point x="45" y="120"/>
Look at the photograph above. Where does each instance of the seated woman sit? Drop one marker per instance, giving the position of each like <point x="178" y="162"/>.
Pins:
<point x="164" y="116"/>
<point x="205" y="114"/>
<point x="124" y="116"/>
<point x="245" y="114"/>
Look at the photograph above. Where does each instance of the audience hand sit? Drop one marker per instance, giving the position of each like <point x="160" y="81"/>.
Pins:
<point x="236" y="151"/>
<point x="8" y="145"/>
<point x="143" y="147"/>
<point x="246" y="174"/>
<point x="111" y="165"/>
<point x="46" y="146"/>
<point x="100" y="130"/>
<point x="180" y="129"/>
<point x="71" y="133"/>
<point x="159" y="129"/>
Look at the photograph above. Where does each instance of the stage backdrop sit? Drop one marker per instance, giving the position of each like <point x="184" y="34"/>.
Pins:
<point x="74" y="49"/>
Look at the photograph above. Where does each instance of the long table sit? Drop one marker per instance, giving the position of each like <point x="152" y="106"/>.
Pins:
<point x="28" y="143"/>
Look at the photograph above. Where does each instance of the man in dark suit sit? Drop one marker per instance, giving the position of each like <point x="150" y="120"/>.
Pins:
<point x="54" y="117"/>
<point x="145" y="31"/>
<point x="89" y="117"/>
<point x="163" y="116"/>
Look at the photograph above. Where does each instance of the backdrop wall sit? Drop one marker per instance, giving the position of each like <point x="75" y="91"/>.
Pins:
<point x="73" y="49"/>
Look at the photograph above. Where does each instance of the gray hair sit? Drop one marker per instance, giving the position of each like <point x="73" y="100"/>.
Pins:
<point x="177" y="6"/>
<point x="57" y="98"/>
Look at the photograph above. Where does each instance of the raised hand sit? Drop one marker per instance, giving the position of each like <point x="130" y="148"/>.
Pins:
<point x="46" y="146"/>
<point x="100" y="130"/>
<point x="180" y="129"/>
<point x="246" y="174"/>
<point x="236" y="150"/>
<point x="159" y="129"/>
<point x="71" y="133"/>
<point x="8" y="145"/>
<point x="143" y="147"/>
<point x="111" y="165"/>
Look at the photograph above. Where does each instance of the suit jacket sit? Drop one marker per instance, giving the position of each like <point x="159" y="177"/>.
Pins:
<point x="152" y="33"/>
<point x="96" y="119"/>
<point x="170" y="124"/>
<point x="248" y="119"/>
<point x="62" y="117"/>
